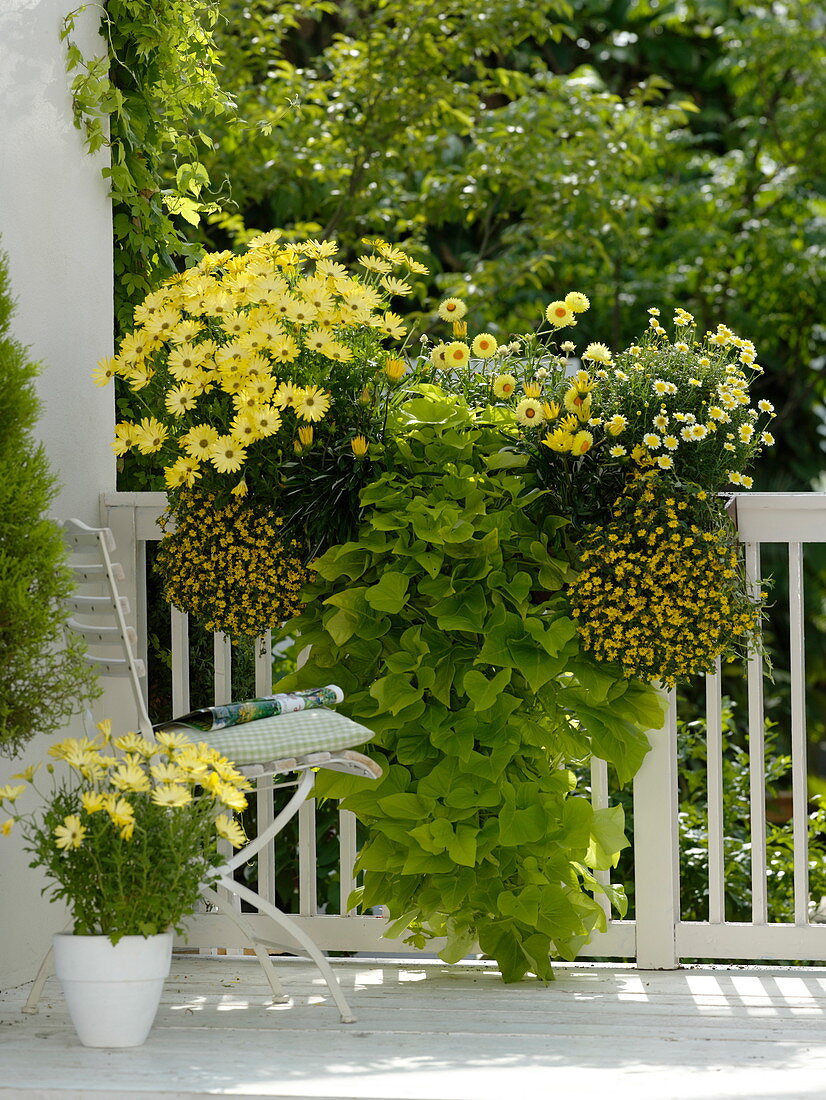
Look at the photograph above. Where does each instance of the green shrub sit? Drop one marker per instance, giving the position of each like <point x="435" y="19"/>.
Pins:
<point x="42" y="680"/>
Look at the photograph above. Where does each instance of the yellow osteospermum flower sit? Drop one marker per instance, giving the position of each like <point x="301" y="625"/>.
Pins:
<point x="393" y="325"/>
<point x="11" y="794"/>
<point x="484" y="345"/>
<point x="230" y="796"/>
<point x="131" y="777"/>
<point x="92" y="801"/>
<point x="616" y="424"/>
<point x="150" y="435"/>
<point x="70" y="834"/>
<point x="396" y="286"/>
<point x="7" y="826"/>
<point x="452" y="309"/>
<point x="312" y="404"/>
<point x="171" y="739"/>
<point x="171" y="795"/>
<point x="359" y="446"/>
<point x="133" y="742"/>
<point x="227" y="455"/>
<point x="105" y="371"/>
<point x="168" y="773"/>
<point x="230" y="830"/>
<point x="199" y="440"/>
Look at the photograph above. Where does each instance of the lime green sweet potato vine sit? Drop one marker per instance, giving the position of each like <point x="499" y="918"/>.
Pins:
<point x="447" y="626"/>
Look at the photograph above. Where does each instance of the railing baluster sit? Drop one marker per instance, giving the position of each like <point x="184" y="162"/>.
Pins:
<point x="800" y="819"/>
<point x="307" y="862"/>
<point x="714" y="771"/>
<point x="757" y="760"/>
<point x="263" y="664"/>
<point x="264" y="801"/>
<point x="180" y="662"/>
<point x="222" y="650"/>
<point x="599" y="800"/>
<point x="347" y="858"/>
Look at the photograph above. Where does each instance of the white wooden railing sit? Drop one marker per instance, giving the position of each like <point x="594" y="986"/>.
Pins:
<point x="657" y="937"/>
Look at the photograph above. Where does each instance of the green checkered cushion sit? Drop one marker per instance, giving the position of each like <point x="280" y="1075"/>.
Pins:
<point x="283" y="736"/>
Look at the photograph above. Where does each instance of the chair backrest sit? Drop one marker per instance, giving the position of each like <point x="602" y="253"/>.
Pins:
<point x="98" y="611"/>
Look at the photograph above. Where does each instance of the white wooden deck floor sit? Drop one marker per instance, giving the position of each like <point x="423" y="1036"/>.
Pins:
<point x="427" y="1031"/>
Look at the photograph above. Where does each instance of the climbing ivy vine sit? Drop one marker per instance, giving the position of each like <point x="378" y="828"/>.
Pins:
<point x="156" y="74"/>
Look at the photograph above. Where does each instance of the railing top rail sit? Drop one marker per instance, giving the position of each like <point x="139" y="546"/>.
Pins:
<point x="780" y="517"/>
<point x="760" y="517"/>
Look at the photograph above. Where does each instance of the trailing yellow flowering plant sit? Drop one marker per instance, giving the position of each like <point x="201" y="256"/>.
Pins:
<point x="661" y="589"/>
<point x="128" y="834"/>
<point x="229" y="566"/>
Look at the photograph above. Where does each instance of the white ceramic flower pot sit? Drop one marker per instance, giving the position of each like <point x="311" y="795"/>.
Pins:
<point x="112" y="990"/>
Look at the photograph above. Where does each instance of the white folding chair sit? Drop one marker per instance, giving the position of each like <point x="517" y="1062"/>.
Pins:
<point x="290" y="743"/>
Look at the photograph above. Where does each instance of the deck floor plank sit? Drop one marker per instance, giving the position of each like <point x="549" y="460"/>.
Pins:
<point x="426" y="1031"/>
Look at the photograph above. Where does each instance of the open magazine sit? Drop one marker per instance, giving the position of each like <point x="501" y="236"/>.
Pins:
<point x="235" y="714"/>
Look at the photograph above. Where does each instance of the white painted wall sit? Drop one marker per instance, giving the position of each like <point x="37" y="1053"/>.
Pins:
<point x="55" y="228"/>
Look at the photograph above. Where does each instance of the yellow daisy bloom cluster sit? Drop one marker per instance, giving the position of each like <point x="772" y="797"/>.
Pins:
<point x="684" y="405"/>
<point x="129" y="833"/>
<point x="228" y="566"/>
<point x="662" y="590"/>
<point x="457" y="353"/>
<point x="172" y="772"/>
<point x="233" y="357"/>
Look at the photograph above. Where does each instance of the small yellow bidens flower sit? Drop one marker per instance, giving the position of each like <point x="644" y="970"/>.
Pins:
<point x="452" y="309"/>
<point x="359" y="446"/>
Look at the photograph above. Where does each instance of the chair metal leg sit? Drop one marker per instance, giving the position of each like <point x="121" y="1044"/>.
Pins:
<point x="221" y="903"/>
<point x="45" y="971"/>
<point x="301" y="937"/>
